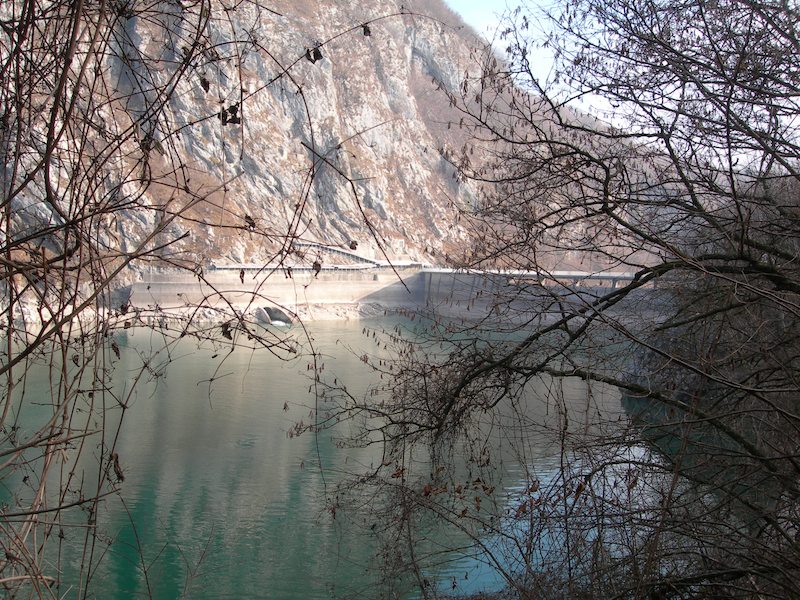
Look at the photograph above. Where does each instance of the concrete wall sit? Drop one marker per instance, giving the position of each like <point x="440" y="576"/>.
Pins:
<point x="444" y="292"/>
<point x="380" y="286"/>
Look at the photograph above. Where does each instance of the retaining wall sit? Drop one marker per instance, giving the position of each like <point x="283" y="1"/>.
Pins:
<point x="446" y="292"/>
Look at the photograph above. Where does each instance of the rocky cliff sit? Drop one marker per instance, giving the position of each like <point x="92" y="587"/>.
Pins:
<point x="318" y="121"/>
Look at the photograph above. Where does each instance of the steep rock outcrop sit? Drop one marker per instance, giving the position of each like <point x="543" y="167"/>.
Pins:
<point x="344" y="147"/>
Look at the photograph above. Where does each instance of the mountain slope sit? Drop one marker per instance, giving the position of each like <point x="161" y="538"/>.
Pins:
<point x="344" y="148"/>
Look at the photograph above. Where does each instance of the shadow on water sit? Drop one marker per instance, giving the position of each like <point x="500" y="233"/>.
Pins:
<point x="708" y="444"/>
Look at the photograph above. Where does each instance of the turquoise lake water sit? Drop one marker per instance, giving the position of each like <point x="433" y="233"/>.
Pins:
<point x="221" y="500"/>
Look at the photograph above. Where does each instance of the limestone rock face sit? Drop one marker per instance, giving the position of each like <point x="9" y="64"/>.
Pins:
<point x="316" y="121"/>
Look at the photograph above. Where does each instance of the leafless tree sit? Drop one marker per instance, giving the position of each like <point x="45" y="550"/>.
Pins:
<point x="95" y="182"/>
<point x="683" y="175"/>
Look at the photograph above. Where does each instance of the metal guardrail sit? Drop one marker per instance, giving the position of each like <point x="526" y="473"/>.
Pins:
<point x="338" y="251"/>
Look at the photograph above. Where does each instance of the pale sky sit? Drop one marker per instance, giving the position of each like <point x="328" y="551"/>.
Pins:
<point x="481" y="14"/>
<point x="484" y="15"/>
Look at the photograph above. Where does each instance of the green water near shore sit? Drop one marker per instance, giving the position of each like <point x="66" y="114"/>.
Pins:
<point x="222" y="500"/>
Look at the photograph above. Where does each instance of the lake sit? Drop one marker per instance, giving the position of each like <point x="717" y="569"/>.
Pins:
<point x="222" y="500"/>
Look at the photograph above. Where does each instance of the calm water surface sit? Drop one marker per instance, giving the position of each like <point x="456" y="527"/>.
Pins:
<point x="220" y="500"/>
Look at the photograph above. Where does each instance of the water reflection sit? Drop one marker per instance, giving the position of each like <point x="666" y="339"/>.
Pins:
<point x="532" y="442"/>
<point x="221" y="500"/>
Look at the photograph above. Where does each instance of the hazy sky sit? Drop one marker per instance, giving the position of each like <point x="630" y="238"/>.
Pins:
<point x="481" y="14"/>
